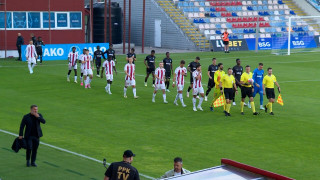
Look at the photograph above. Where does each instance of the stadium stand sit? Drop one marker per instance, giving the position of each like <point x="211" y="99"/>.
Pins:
<point x="241" y="18"/>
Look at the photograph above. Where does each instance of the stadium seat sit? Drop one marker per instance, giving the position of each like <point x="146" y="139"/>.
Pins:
<point x="292" y="12"/>
<point x="218" y="32"/>
<point x="280" y="2"/>
<point x="212" y="20"/>
<point x="260" y="2"/>
<point x="207" y="26"/>
<point x="212" y="26"/>
<point x="268" y="35"/>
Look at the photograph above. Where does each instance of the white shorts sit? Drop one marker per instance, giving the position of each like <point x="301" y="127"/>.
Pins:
<point x="180" y="87"/>
<point x="87" y="72"/>
<point x="82" y="68"/>
<point x="160" y="86"/>
<point x="109" y="77"/>
<point x="130" y="83"/>
<point x="72" y="67"/>
<point x="32" y="60"/>
<point x="197" y="90"/>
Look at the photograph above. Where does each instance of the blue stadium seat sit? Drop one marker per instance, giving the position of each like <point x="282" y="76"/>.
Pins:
<point x="311" y="33"/>
<point x="234" y="14"/>
<point x="218" y="32"/>
<point x="265" y="2"/>
<point x="281" y="12"/>
<point x="255" y="8"/>
<point x="201" y="20"/>
<point x="239" y="8"/>
<point x="185" y="4"/>
<point x="246" y="31"/>
<point x="305" y="28"/>
<point x="292" y="12"/>
<point x="207" y="9"/>
<point x="212" y="15"/>
<point x="280" y="2"/>
<point x="261" y="13"/>
<point x="207" y="20"/>
<point x="252" y="31"/>
<point x="282" y="17"/>
<point x="195" y="21"/>
<point x="273" y="35"/>
<point x="228" y="8"/>
<point x="185" y="9"/>
<point x="273" y="30"/>
<point x="265" y="8"/>
<point x="254" y="2"/>
<point x="240" y="36"/>
<point x="180" y="4"/>
<point x="191" y="4"/>
<point x="196" y="9"/>
<point x="260" y="8"/>
<point x="268" y="30"/>
<point x="249" y="8"/>
<point x="201" y="4"/>
<point x="266" y="13"/>
<point x="218" y="14"/>
<point x="218" y="26"/>
<point x="229" y="25"/>
<point x="212" y="9"/>
<point x="234" y="8"/>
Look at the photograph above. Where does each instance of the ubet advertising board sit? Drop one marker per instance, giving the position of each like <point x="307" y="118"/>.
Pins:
<point x="61" y="51"/>
<point x="234" y="45"/>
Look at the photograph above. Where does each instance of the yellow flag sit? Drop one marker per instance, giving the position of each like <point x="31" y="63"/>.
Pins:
<point x="219" y="102"/>
<point x="279" y="100"/>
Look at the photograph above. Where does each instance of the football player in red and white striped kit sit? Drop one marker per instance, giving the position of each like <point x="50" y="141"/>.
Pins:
<point x="87" y="71"/>
<point x="129" y="69"/>
<point x="72" y="58"/>
<point x="160" y="73"/>
<point x="197" y="88"/>
<point x="81" y="58"/>
<point x="179" y="75"/>
<point x="31" y="55"/>
<point x="110" y="66"/>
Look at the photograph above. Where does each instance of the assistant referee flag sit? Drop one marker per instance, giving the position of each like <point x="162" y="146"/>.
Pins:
<point x="279" y="100"/>
<point x="219" y="102"/>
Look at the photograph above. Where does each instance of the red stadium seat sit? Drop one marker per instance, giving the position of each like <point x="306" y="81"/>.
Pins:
<point x="255" y="19"/>
<point x="261" y="19"/>
<point x="233" y="3"/>
<point x="239" y="19"/>
<point x="244" y="19"/>
<point x="229" y="14"/>
<point x="223" y="4"/>
<point x="250" y="19"/>
<point x="213" y="3"/>
<point x="229" y="20"/>
<point x="228" y="3"/>
<point x="218" y="3"/>
<point x="261" y="24"/>
<point x="218" y="9"/>
<point x="223" y="9"/>
<point x="267" y="24"/>
<point x="240" y="25"/>
<point x="245" y="25"/>
<point x="239" y="3"/>
<point x="235" y="25"/>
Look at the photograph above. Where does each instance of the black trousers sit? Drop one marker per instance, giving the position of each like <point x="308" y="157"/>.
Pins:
<point x="32" y="148"/>
<point x="19" y="51"/>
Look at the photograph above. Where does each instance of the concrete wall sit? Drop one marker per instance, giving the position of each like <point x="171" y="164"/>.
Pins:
<point x="306" y="7"/>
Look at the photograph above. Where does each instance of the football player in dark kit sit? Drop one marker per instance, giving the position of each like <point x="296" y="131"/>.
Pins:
<point x="192" y="67"/>
<point x="149" y="62"/>
<point x="97" y="59"/>
<point x="122" y="170"/>
<point x="39" y="45"/>
<point x="237" y="72"/>
<point x="111" y="52"/>
<point x="167" y="64"/>
<point x="131" y="54"/>
<point x="211" y="70"/>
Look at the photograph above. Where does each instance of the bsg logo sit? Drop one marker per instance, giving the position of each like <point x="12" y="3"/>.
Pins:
<point x="298" y="43"/>
<point x="264" y="44"/>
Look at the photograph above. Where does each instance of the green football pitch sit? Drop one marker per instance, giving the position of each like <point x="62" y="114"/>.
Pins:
<point x="98" y="125"/>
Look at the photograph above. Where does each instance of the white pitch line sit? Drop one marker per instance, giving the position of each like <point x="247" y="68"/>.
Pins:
<point x="70" y="152"/>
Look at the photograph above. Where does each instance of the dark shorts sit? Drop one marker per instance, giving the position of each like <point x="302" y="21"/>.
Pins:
<point x="226" y="42"/>
<point x="168" y="74"/>
<point x="39" y="52"/>
<point x="228" y="93"/>
<point x="191" y="79"/>
<point x="270" y="93"/>
<point x="98" y="63"/>
<point x="246" y="91"/>
<point x="150" y="70"/>
<point x="211" y="83"/>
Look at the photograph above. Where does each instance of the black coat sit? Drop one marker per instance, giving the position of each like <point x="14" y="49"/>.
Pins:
<point x="27" y="122"/>
<point x="20" y="41"/>
<point x="18" y="144"/>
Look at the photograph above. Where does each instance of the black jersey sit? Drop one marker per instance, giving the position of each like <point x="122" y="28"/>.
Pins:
<point x="133" y="55"/>
<point x="39" y="45"/>
<point x="167" y="62"/>
<point x="110" y="52"/>
<point x="98" y="54"/>
<point x="193" y="66"/>
<point x="151" y="61"/>
<point x="212" y="68"/>
<point x="122" y="171"/>
<point x="237" y="70"/>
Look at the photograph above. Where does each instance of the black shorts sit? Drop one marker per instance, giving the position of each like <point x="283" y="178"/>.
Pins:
<point x="98" y="63"/>
<point x="39" y="52"/>
<point x="270" y="93"/>
<point x="228" y="93"/>
<point x="150" y="70"/>
<point x="168" y="74"/>
<point x="226" y="42"/>
<point x="246" y="91"/>
<point x="211" y="83"/>
<point x="191" y="79"/>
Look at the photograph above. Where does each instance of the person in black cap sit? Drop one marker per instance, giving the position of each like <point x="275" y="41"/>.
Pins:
<point x="122" y="170"/>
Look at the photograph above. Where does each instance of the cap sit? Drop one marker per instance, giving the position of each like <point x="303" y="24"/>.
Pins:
<point x="128" y="153"/>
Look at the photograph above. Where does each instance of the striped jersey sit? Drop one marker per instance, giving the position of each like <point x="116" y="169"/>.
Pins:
<point x="73" y="56"/>
<point x="108" y="65"/>
<point x="130" y="69"/>
<point x="160" y="72"/>
<point x="87" y="65"/>
<point x="179" y="77"/>
<point x="31" y="51"/>
<point x="197" y="82"/>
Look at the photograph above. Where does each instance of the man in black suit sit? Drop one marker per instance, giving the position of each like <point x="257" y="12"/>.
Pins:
<point x="32" y="133"/>
<point x="19" y="43"/>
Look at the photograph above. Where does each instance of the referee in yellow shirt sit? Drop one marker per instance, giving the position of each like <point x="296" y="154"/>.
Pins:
<point x="268" y="89"/>
<point x="229" y="83"/>
<point x="246" y="90"/>
<point x="217" y="78"/>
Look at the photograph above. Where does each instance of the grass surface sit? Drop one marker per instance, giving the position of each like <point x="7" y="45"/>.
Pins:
<point x="90" y="122"/>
